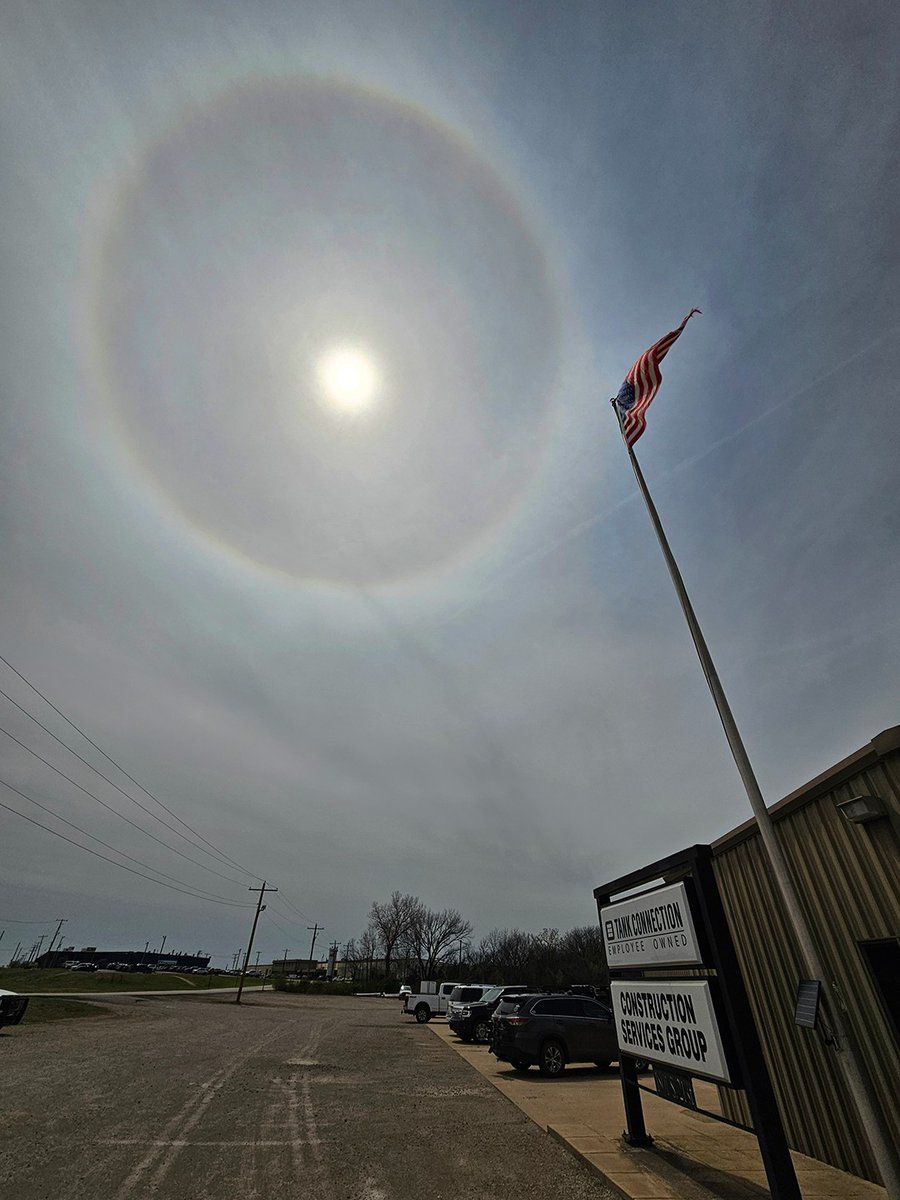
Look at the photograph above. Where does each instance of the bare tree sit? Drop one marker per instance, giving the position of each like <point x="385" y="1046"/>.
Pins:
<point x="351" y="957"/>
<point x="391" y="922"/>
<point x="368" y="949"/>
<point x="433" y="937"/>
<point x="518" y="951"/>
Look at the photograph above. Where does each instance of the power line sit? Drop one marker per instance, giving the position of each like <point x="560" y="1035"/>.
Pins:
<point x="293" y="906"/>
<point x="285" y="916"/>
<point x="119" y="767"/>
<point x="100" y="842"/>
<point x="97" y="771"/>
<point x="116" y="812"/>
<point x="277" y="925"/>
<point x="12" y="921"/>
<point x="97" y="854"/>
<point x="294" y="913"/>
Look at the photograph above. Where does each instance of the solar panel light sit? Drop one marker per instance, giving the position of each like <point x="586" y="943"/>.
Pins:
<point x="862" y="809"/>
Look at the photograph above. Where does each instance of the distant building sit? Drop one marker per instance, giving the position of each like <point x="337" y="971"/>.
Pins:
<point x="133" y="958"/>
<point x="295" y="966"/>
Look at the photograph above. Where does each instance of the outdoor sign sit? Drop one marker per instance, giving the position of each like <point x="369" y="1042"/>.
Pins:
<point x="684" y="1025"/>
<point x="671" y="1022"/>
<point x="674" y="1086"/>
<point x="655" y="929"/>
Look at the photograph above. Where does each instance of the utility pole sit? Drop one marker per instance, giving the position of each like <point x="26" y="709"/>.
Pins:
<point x="15" y="955"/>
<point x="316" y="929"/>
<point x="159" y="956"/>
<point x="62" y="921"/>
<point x="259" y="908"/>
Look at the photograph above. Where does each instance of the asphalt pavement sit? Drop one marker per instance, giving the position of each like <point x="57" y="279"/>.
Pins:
<point x="332" y="1097"/>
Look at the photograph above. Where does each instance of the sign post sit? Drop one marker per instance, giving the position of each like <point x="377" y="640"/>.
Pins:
<point x="693" y="1026"/>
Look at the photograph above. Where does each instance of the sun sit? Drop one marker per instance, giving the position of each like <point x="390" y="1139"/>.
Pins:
<point x="348" y="379"/>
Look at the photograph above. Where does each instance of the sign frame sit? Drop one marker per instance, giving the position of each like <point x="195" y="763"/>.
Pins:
<point x="731" y="1005"/>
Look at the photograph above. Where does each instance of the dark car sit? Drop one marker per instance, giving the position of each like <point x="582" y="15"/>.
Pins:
<point x="12" y="1007"/>
<point x="595" y="991"/>
<point x="552" y="1030"/>
<point x="472" y="1021"/>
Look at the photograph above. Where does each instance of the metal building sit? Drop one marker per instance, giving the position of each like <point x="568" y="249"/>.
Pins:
<point x="841" y="835"/>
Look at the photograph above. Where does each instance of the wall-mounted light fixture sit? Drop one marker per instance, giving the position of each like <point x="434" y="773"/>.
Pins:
<point x="862" y="809"/>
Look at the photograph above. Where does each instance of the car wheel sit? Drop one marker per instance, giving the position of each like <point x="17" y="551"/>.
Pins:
<point x="552" y="1059"/>
<point x="482" y="1031"/>
<point x="519" y="1064"/>
<point x="423" y="1013"/>
<point x="602" y="1063"/>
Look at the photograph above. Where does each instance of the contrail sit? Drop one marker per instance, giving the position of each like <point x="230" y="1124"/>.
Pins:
<point x="588" y="523"/>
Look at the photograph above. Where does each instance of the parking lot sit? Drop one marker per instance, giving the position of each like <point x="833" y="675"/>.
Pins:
<point x="341" y="1097"/>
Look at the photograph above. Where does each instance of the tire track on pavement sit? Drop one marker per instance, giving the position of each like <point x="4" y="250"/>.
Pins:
<point x="172" y="1139"/>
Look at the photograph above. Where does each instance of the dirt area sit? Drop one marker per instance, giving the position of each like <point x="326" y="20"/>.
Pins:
<point x="340" y="1097"/>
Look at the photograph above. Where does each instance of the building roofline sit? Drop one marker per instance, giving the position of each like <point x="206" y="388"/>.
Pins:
<point x="867" y="756"/>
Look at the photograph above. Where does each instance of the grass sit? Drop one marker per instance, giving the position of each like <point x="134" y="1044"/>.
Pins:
<point x="42" y="1010"/>
<point x="17" y="979"/>
<point x="314" y="987"/>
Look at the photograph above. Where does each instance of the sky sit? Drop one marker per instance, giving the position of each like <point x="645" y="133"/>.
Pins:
<point x="315" y="516"/>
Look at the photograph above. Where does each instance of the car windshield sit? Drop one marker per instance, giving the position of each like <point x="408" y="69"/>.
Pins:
<point x="491" y="994"/>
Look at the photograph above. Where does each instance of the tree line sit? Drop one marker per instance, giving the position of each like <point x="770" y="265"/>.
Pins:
<point x="405" y="942"/>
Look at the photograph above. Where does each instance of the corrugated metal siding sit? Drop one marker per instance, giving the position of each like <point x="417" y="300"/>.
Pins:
<point x="848" y="879"/>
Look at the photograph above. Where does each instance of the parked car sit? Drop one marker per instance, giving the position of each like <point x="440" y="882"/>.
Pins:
<point x="472" y="1021"/>
<point x="83" y="966"/>
<point x="12" y="1007"/>
<point x="553" y="1030"/>
<point x="466" y="993"/>
<point x="430" y="1001"/>
<point x="595" y="991"/>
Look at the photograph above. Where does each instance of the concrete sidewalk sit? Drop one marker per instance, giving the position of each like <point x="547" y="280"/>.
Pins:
<point x="693" y="1157"/>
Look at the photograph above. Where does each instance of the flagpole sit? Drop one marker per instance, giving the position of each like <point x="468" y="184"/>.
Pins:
<point x="855" y="1074"/>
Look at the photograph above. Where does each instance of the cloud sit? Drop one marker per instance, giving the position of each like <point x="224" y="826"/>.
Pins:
<point x="438" y="652"/>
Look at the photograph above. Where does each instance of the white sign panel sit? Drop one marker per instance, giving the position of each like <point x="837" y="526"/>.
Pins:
<point x="652" y="930"/>
<point x="671" y="1022"/>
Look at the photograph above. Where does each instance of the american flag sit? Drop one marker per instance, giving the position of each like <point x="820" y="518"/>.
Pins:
<point x="641" y="385"/>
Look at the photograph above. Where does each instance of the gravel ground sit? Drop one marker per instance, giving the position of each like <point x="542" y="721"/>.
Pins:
<point x="287" y="1095"/>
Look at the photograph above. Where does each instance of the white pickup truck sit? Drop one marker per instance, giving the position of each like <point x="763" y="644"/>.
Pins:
<point x="429" y="1001"/>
